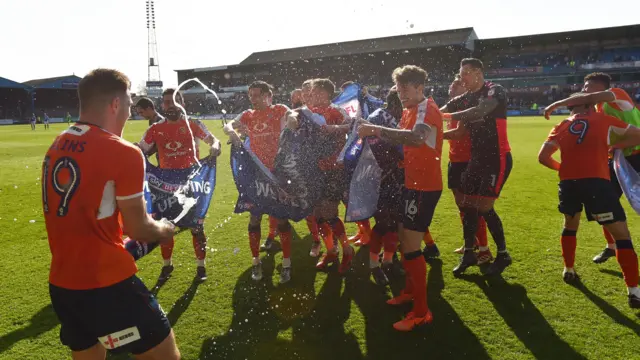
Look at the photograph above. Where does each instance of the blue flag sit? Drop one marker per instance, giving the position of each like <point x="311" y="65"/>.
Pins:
<point x="293" y="189"/>
<point x="364" y="188"/>
<point x="628" y="178"/>
<point x="169" y="189"/>
<point x="357" y="104"/>
<point x="377" y="160"/>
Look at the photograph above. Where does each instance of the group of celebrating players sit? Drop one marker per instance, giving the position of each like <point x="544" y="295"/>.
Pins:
<point x="89" y="204"/>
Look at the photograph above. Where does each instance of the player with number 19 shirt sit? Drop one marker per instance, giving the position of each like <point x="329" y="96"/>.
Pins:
<point x="91" y="177"/>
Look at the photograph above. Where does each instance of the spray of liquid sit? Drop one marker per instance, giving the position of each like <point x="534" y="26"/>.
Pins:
<point x="188" y="202"/>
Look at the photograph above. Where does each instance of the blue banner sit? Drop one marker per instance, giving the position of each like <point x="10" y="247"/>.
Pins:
<point x="169" y="189"/>
<point x="292" y="190"/>
<point x="357" y="104"/>
<point x="365" y="187"/>
<point x="628" y="178"/>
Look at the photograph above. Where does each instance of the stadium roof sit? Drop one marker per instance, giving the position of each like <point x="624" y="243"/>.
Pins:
<point x="6" y="83"/>
<point x="458" y="37"/>
<point x="60" y="82"/>
<point x="612" y="33"/>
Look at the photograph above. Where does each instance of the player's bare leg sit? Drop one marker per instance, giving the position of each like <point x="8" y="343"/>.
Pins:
<point x="416" y="289"/>
<point x="628" y="260"/>
<point x="254" y="244"/>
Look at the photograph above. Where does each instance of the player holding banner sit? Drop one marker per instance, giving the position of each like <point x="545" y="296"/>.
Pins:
<point x="333" y="183"/>
<point x="388" y="156"/>
<point x="175" y="146"/>
<point x="420" y="133"/>
<point x="583" y="140"/>
<point x="91" y="176"/>
<point x="263" y="125"/>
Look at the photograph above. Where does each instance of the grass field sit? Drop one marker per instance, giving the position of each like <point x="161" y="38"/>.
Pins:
<point x="528" y="313"/>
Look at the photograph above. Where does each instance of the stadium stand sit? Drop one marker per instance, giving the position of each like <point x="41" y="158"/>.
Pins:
<point x="536" y="70"/>
<point x="57" y="96"/>
<point x="15" y="101"/>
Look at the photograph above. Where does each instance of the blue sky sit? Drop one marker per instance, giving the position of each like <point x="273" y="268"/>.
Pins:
<point x="52" y="38"/>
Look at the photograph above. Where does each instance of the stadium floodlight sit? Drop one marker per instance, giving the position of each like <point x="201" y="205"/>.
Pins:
<point x="153" y="65"/>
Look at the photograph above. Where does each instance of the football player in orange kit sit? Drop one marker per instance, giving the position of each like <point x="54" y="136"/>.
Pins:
<point x="91" y="177"/>
<point x="583" y="140"/>
<point x="614" y="102"/>
<point x="420" y="133"/>
<point x="175" y="143"/>
<point x="326" y="213"/>
<point x="263" y="125"/>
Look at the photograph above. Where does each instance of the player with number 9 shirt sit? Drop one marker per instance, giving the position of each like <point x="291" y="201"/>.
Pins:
<point x="583" y="140"/>
<point x="91" y="176"/>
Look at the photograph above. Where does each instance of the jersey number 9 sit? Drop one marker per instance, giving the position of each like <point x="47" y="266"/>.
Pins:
<point x="64" y="177"/>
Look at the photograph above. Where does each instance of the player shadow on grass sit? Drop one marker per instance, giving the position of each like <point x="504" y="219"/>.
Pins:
<point x="523" y="317"/>
<point x="441" y="339"/>
<point x="607" y="308"/>
<point x="263" y="309"/>
<point x="612" y="273"/>
<point x="41" y="322"/>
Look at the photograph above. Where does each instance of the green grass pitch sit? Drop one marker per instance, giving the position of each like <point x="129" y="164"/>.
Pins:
<point x="528" y="313"/>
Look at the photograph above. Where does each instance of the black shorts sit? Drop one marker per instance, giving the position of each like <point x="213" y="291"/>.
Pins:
<point x="391" y="186"/>
<point x="487" y="177"/>
<point x="598" y="197"/>
<point x="454" y="174"/>
<point x="124" y="317"/>
<point x="418" y="208"/>
<point x="333" y="185"/>
<point x="634" y="161"/>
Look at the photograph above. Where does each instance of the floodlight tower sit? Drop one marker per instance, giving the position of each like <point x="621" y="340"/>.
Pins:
<point x="154" y="83"/>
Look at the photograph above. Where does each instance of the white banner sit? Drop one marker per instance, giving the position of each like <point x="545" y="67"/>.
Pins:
<point x="6" y="121"/>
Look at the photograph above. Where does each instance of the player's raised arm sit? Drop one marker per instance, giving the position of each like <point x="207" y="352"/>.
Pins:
<point x="581" y="99"/>
<point x="485" y="106"/>
<point x="628" y="137"/>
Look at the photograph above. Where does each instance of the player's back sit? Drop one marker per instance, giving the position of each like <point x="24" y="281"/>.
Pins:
<point x="584" y="141"/>
<point x="83" y="173"/>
